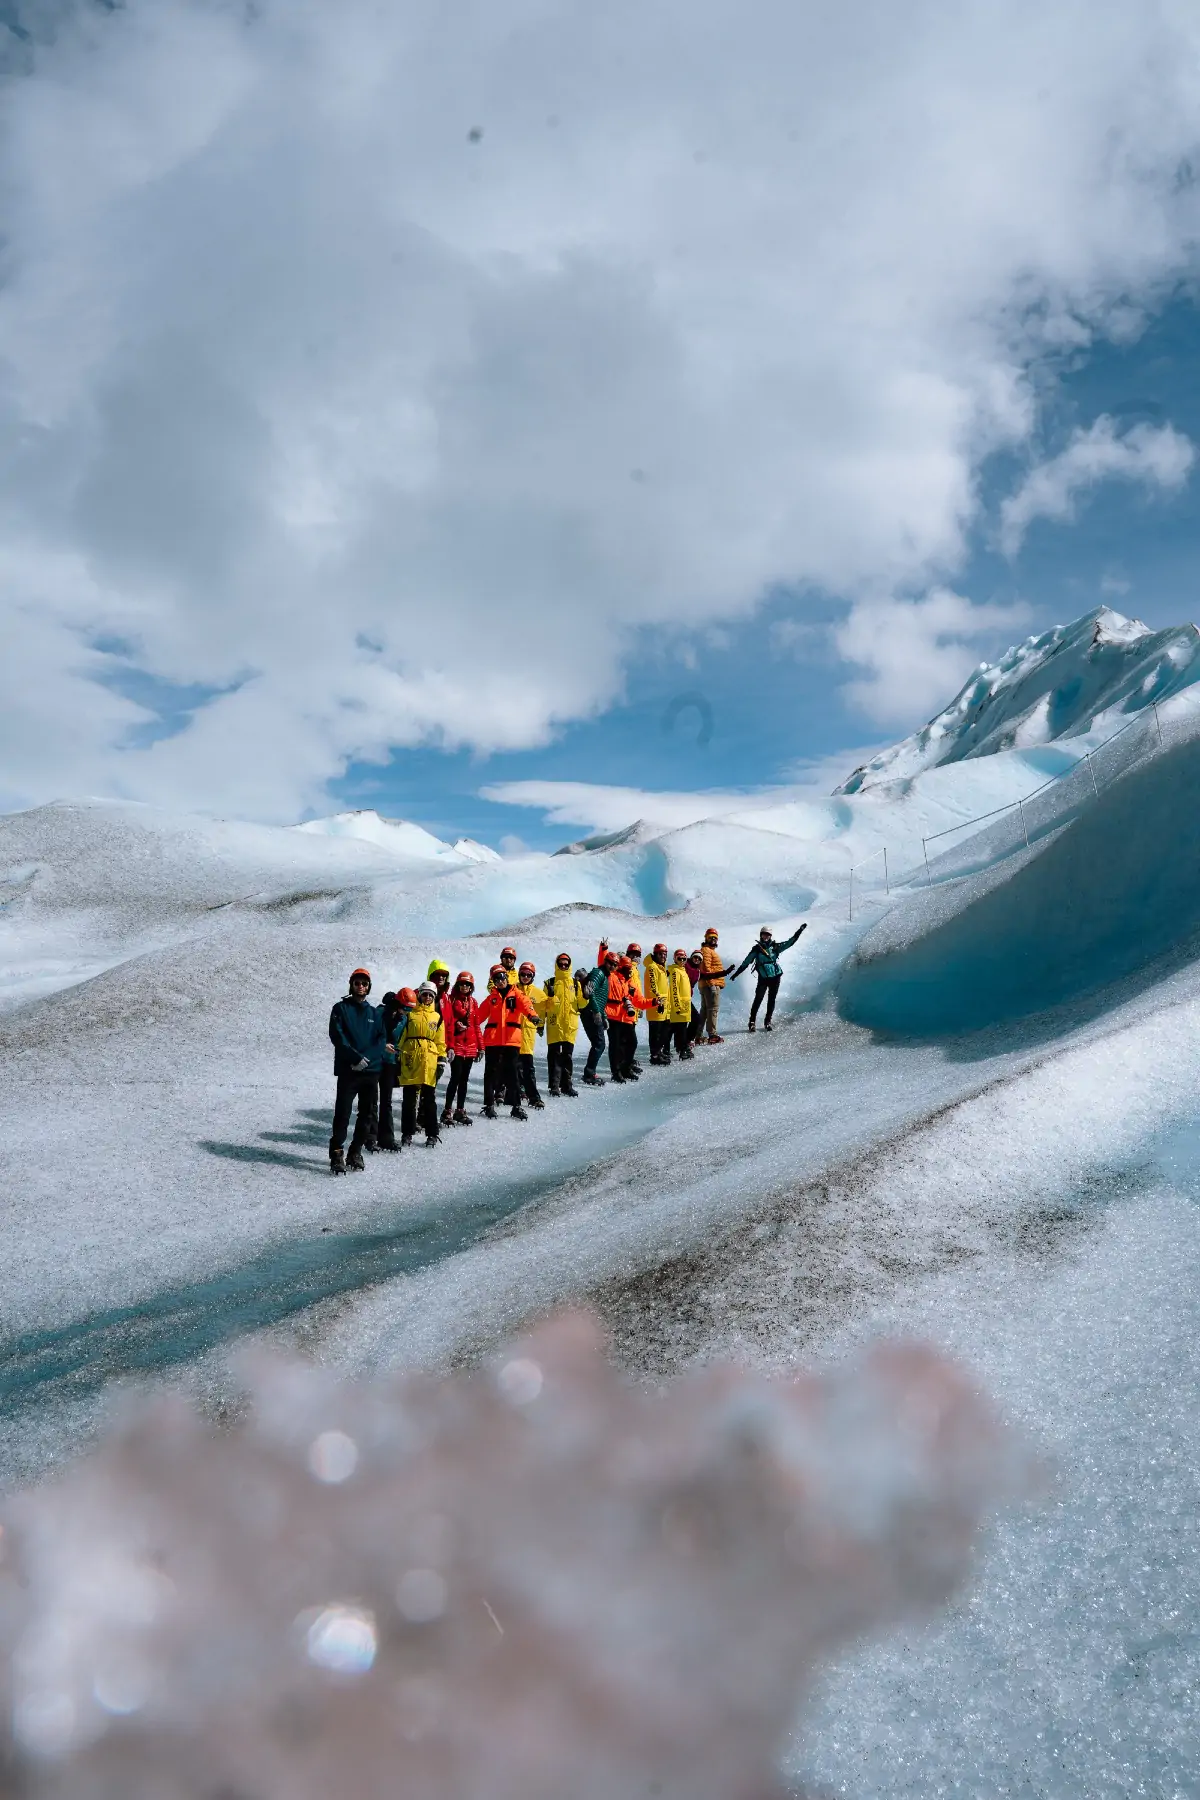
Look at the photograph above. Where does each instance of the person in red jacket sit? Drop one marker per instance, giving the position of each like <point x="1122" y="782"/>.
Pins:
<point x="502" y="1016"/>
<point x="625" y="1002"/>
<point x="464" y="1046"/>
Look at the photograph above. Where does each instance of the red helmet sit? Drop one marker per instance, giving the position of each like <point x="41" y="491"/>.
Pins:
<point x="680" y="956"/>
<point x="633" y="949"/>
<point x="563" y="960"/>
<point x="712" y="932"/>
<point x="610" y="956"/>
<point x="509" y="951"/>
<point x="497" y="969"/>
<point x="659" y="947"/>
<point x="406" y="996"/>
<point x="526" y="968"/>
<point x="464" y="975"/>
<point x="624" y="963"/>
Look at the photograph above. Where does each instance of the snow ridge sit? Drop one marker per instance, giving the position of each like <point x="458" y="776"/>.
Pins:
<point x="1069" y="681"/>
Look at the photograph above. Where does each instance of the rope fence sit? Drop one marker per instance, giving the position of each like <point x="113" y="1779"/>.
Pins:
<point x="1061" y="787"/>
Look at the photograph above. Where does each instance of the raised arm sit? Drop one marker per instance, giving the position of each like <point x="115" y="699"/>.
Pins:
<point x="790" y="941"/>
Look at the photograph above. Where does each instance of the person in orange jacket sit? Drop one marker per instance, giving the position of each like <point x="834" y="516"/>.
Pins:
<point x="712" y="980"/>
<point x="502" y="1016"/>
<point x="632" y="953"/>
<point x="625" y="1002"/>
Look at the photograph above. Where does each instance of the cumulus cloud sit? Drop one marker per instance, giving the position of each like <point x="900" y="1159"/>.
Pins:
<point x="1152" y="456"/>
<point x="348" y="353"/>
<point x="916" y="652"/>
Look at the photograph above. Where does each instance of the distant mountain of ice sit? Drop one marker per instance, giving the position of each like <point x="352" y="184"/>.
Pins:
<point x="1066" y="683"/>
<point x="398" y="835"/>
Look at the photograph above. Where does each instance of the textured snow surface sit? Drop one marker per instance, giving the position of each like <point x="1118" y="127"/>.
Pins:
<point x="955" y="1130"/>
<point x="1076" y="679"/>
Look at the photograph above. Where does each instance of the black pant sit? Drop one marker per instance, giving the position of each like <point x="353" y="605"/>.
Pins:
<point x="386" y="1131"/>
<point x="364" y="1089"/>
<point x="501" y="1078"/>
<point x="682" y="1033"/>
<point x="660" y="1038"/>
<point x="694" y="1029"/>
<point x="622" y="1046"/>
<point x="560" y="1066"/>
<point x="594" y="1027"/>
<point x="528" y="1075"/>
<point x="768" y="985"/>
<point x="460" y="1074"/>
<point x="419" y="1105"/>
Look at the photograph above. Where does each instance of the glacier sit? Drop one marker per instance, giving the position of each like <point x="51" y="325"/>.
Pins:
<point x="977" y="1123"/>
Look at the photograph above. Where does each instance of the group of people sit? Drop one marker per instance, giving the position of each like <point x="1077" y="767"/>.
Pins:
<point x="415" y="1035"/>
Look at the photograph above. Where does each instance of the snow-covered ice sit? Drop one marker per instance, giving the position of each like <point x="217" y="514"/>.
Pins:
<point x="957" y="1129"/>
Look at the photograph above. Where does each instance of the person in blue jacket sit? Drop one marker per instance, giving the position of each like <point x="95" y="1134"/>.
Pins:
<point x="765" y="957"/>
<point x="360" y="1049"/>
<point x="593" y="984"/>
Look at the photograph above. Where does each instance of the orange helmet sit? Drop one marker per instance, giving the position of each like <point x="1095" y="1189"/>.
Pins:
<point x="406" y="997"/>
<point x="624" y="963"/>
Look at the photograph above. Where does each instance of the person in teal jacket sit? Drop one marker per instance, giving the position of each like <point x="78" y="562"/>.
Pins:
<point x="765" y="957"/>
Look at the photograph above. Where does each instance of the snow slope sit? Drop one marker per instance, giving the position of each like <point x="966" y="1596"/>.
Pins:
<point x="1076" y="681"/>
<point x="933" y="1147"/>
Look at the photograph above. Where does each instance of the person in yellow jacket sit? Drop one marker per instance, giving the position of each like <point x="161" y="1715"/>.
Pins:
<point x="565" y="1000"/>
<point x="655" y="987"/>
<point x="679" y="1006"/>
<point x="531" y="1029"/>
<point x="421" y="1048"/>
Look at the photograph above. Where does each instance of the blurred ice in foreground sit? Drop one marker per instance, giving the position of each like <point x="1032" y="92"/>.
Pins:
<point x="522" y="1583"/>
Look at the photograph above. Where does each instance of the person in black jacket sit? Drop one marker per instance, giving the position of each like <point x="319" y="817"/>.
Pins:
<point x="765" y="957"/>
<point x="360" y="1049"/>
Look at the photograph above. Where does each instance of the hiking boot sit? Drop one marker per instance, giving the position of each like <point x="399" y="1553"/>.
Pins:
<point x="752" y="1026"/>
<point x="636" y="1067"/>
<point x="687" y="1056"/>
<point x="370" y="1146"/>
<point x="448" y="1116"/>
<point x="554" y="1092"/>
<point x="337" y="1162"/>
<point x="768" y="1027"/>
<point x="489" y="1112"/>
<point x="461" y="1117"/>
<point x="518" y="1112"/>
<point x="572" y="1093"/>
<point x="716" y="1040"/>
<point x="355" y="1159"/>
<point x="537" y="1103"/>
<point x="618" y="1080"/>
<point x="593" y="1081"/>
<point x="406" y="1139"/>
<point x="389" y="1144"/>
<point x="432" y="1140"/>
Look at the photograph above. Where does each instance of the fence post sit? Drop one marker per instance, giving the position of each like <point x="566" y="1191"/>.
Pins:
<point x="1092" y="772"/>
<point x="886" y="884"/>
<point x="925" y="850"/>
<point x="1024" y="827"/>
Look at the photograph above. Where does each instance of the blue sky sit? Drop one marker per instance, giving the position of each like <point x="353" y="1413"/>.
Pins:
<point x="623" y="395"/>
<point x="771" y="709"/>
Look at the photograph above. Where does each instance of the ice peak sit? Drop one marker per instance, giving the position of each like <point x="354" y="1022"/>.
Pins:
<point x="1057" y="684"/>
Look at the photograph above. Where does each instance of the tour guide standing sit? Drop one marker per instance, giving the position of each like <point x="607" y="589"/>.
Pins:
<point x="360" y="1049"/>
<point x="657" y="988"/>
<point x="712" y="980"/>
<point x="679" y="1006"/>
<point x="765" y="957"/>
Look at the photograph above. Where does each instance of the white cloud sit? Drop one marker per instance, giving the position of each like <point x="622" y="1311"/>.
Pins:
<point x="596" y="808"/>
<point x="918" y="652"/>
<point x="299" y="383"/>
<point x="1153" y="456"/>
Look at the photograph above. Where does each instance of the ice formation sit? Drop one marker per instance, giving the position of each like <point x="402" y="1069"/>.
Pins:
<point x="528" y="1582"/>
<point x="1065" y="683"/>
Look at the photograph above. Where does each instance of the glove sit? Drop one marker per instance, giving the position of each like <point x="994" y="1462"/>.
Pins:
<point x="362" y="1063"/>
